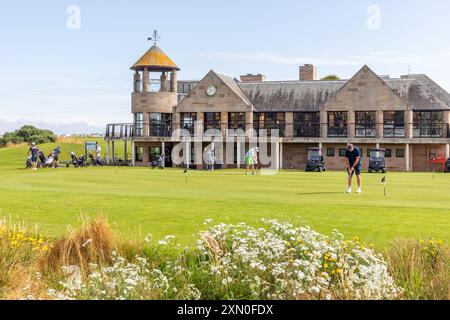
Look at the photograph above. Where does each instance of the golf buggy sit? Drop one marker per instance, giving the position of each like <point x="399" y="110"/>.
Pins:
<point x="377" y="161"/>
<point x="315" y="162"/>
<point x="447" y="166"/>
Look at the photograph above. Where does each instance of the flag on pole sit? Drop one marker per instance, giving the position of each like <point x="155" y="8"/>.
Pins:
<point x="383" y="181"/>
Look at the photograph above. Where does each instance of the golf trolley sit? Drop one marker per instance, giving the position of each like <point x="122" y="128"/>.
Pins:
<point x="315" y="161"/>
<point x="377" y="161"/>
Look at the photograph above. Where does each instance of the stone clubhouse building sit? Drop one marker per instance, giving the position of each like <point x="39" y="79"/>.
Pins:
<point x="408" y="116"/>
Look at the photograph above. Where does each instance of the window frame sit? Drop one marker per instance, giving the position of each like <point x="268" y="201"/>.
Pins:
<point x="190" y="124"/>
<point x="339" y="126"/>
<point x="365" y="126"/>
<point x="307" y="124"/>
<point x="394" y="125"/>
<point x="237" y="120"/>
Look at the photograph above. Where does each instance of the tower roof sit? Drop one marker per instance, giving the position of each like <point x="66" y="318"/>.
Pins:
<point x="155" y="59"/>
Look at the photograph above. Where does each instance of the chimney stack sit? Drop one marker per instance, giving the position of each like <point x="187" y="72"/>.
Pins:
<point x="253" y="77"/>
<point x="308" y="72"/>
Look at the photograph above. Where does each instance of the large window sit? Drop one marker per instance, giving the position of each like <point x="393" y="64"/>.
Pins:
<point x="365" y="122"/>
<point x="160" y="124"/>
<point x="187" y="121"/>
<point x="394" y="124"/>
<point x="269" y="121"/>
<point x="307" y="124"/>
<point x="236" y="120"/>
<point x="212" y="120"/>
<point x="139" y="154"/>
<point x="337" y="124"/>
<point x="139" y="124"/>
<point x="428" y="124"/>
<point x="155" y="152"/>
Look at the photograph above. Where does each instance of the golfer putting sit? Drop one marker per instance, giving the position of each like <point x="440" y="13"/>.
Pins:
<point x="354" y="163"/>
<point x="251" y="159"/>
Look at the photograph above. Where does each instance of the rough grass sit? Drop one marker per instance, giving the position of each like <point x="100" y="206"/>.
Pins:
<point x="421" y="268"/>
<point x="92" y="242"/>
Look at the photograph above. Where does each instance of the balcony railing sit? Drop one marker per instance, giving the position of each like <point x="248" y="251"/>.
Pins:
<point x="119" y="130"/>
<point x="434" y="130"/>
<point x="337" y="132"/>
<point x="159" y="129"/>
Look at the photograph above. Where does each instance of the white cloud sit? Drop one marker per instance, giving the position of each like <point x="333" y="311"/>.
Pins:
<point x="336" y="60"/>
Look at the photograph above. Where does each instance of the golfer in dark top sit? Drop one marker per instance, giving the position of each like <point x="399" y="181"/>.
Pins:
<point x="353" y="155"/>
<point x="34" y="155"/>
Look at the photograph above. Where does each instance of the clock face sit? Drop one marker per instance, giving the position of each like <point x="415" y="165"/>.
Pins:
<point x="211" y="91"/>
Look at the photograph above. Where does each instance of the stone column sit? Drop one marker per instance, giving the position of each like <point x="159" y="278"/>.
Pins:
<point x="224" y="123"/>
<point x="137" y="79"/>
<point x="447" y="151"/>
<point x="164" y="84"/>
<point x="351" y="124"/>
<point x="408" y="124"/>
<point x="108" y="161"/>
<point x="289" y="125"/>
<point x="113" y="152"/>
<point x="323" y="124"/>
<point x="281" y="155"/>
<point x="146" y="153"/>
<point x="133" y="153"/>
<point x="249" y="120"/>
<point x="145" y="80"/>
<point x="201" y="122"/>
<point x="173" y="81"/>
<point x="146" y="117"/>
<point x="407" y="157"/>
<point x="379" y="120"/>
<point x="320" y="147"/>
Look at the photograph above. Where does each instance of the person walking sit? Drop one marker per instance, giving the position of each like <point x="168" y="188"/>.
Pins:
<point x="55" y="154"/>
<point x="210" y="160"/>
<point x="354" y="164"/>
<point x="98" y="152"/>
<point x="251" y="159"/>
<point x="34" y="150"/>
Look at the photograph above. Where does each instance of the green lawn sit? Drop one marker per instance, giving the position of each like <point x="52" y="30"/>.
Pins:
<point x="138" y="201"/>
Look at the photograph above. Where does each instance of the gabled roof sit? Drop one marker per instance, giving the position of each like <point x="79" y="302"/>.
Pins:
<point x="232" y="84"/>
<point x="155" y="59"/>
<point x="419" y="90"/>
<point x="290" y="95"/>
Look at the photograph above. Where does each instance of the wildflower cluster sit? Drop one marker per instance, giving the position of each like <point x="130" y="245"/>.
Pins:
<point x="242" y="262"/>
<point x="283" y="262"/>
<point x="18" y="239"/>
<point x="432" y="250"/>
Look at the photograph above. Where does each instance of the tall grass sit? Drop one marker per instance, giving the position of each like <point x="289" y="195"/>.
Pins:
<point x="421" y="268"/>
<point x="92" y="243"/>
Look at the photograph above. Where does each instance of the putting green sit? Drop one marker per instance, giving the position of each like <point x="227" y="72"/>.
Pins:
<point x="138" y="201"/>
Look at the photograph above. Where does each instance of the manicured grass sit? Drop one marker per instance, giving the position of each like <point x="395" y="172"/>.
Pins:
<point x="138" y="201"/>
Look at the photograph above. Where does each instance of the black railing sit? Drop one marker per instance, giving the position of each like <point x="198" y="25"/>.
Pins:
<point x="307" y="130"/>
<point x="268" y="129"/>
<point x="434" y="130"/>
<point x="120" y="130"/>
<point x="336" y="132"/>
<point x="160" y="129"/>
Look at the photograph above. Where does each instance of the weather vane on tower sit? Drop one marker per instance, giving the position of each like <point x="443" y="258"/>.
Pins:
<point x="155" y="37"/>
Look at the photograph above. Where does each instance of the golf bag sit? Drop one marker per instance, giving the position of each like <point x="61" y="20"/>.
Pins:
<point x="28" y="163"/>
<point x="78" y="162"/>
<point x="95" y="161"/>
<point x="158" y="163"/>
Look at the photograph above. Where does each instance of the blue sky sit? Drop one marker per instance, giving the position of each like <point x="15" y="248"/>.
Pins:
<point x="54" y="76"/>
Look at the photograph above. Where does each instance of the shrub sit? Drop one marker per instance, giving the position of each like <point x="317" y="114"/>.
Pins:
<point x="28" y="134"/>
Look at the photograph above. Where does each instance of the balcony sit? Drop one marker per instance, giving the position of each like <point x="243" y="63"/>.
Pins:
<point x="128" y="131"/>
